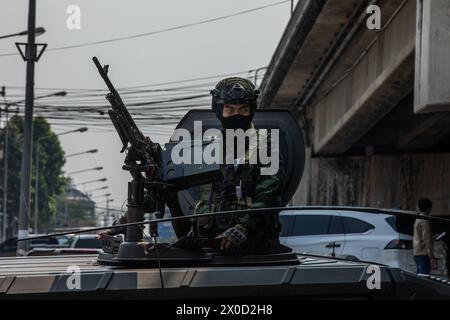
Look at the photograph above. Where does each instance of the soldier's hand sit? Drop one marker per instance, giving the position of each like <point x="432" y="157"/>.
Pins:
<point x="101" y="235"/>
<point x="233" y="237"/>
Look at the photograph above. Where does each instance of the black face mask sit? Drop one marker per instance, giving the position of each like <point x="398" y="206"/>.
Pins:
<point x="236" y="122"/>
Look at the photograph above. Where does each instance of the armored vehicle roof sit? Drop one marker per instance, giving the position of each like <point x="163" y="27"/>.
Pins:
<point x="319" y="277"/>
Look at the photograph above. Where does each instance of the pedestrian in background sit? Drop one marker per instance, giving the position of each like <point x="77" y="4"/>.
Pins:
<point x="423" y="239"/>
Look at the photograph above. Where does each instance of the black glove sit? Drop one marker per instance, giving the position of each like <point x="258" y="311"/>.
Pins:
<point x="233" y="237"/>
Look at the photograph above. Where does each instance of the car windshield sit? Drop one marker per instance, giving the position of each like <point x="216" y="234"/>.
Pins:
<point x="63" y="241"/>
<point x="88" y="243"/>
<point x="45" y="241"/>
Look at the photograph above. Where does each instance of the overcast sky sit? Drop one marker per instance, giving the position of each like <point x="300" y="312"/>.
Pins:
<point x="239" y="43"/>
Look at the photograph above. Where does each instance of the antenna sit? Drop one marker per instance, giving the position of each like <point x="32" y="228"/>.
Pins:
<point x="159" y="260"/>
<point x="154" y="235"/>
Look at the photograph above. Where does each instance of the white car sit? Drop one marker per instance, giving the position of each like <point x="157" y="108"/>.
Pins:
<point x="349" y="234"/>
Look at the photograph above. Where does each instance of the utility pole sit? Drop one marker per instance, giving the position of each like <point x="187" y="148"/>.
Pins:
<point x="107" y="209"/>
<point x="5" y="177"/>
<point x="36" y="189"/>
<point x="65" y="206"/>
<point x="256" y="75"/>
<point x="5" y="167"/>
<point x="25" y="181"/>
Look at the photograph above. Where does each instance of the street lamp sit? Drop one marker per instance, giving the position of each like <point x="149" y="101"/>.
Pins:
<point x="81" y="153"/>
<point x="36" y="195"/>
<point x="15" y="103"/>
<point x="85" y="170"/>
<point x="103" y="195"/>
<point x="91" y="181"/>
<point x="101" y="188"/>
<point x="56" y="94"/>
<point x="38" y="31"/>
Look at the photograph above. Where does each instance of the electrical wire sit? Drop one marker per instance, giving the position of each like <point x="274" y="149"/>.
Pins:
<point x="147" y="85"/>
<point x="146" y="34"/>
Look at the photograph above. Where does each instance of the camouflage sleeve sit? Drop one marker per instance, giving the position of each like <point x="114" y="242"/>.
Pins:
<point x="122" y="220"/>
<point x="269" y="185"/>
<point x="268" y="191"/>
<point x="267" y="194"/>
<point x="203" y="204"/>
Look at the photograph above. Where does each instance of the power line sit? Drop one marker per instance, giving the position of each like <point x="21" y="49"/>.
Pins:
<point x="137" y="108"/>
<point x="163" y="106"/>
<point x="139" y="35"/>
<point x="150" y="85"/>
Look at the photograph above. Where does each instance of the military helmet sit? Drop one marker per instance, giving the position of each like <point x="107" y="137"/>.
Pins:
<point x="234" y="90"/>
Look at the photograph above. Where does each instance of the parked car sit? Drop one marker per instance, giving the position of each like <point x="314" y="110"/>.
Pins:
<point x="86" y="241"/>
<point x="78" y="245"/>
<point x="356" y="235"/>
<point x="62" y="251"/>
<point x="9" y="247"/>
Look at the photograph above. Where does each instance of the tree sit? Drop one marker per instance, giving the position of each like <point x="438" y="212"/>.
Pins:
<point x="51" y="161"/>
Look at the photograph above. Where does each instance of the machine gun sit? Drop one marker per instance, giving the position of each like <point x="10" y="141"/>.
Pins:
<point x="151" y="169"/>
<point x="141" y="147"/>
<point x="142" y="161"/>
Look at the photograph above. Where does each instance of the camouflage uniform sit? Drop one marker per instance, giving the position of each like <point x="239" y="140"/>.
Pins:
<point x="123" y="219"/>
<point x="243" y="187"/>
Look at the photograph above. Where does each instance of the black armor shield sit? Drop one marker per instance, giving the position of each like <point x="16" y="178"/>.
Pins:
<point x="292" y="149"/>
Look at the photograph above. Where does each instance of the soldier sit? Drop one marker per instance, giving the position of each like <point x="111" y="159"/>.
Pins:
<point x="243" y="186"/>
<point x="234" y="101"/>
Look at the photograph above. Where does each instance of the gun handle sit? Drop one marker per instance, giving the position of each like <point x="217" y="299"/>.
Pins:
<point x="122" y="135"/>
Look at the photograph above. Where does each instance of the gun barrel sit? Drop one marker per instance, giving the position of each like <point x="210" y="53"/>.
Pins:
<point x="121" y="118"/>
<point x="104" y="75"/>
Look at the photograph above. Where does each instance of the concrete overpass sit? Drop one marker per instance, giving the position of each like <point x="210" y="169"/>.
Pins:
<point x="374" y="104"/>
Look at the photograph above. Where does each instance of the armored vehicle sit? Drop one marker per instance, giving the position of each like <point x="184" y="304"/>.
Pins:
<point x="193" y="267"/>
